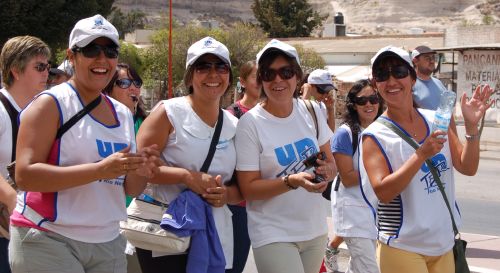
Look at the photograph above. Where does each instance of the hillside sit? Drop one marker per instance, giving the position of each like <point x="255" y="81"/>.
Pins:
<point x="360" y="16"/>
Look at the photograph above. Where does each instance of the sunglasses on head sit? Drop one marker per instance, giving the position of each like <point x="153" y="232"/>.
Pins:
<point x="285" y="72"/>
<point x="93" y="50"/>
<point x="373" y="99"/>
<point x="125" y="83"/>
<point x="205" y="67"/>
<point x="382" y="74"/>
<point x="41" y="67"/>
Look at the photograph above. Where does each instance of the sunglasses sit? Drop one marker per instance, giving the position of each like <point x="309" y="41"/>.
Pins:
<point x="433" y="57"/>
<point x="205" y="67"/>
<point x="397" y="71"/>
<point x="41" y="67"/>
<point x="94" y="50"/>
<point x="125" y="83"/>
<point x="373" y="99"/>
<point x="286" y="73"/>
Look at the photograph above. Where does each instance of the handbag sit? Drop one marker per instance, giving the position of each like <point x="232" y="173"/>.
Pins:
<point x="461" y="265"/>
<point x="145" y="213"/>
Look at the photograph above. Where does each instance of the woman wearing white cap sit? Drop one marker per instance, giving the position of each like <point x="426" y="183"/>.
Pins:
<point x="414" y="225"/>
<point x="68" y="217"/>
<point x="286" y="213"/>
<point x="183" y="128"/>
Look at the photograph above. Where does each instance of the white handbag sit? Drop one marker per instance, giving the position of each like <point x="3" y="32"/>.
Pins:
<point x="142" y="229"/>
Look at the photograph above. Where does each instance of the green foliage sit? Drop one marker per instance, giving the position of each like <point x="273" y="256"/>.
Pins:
<point x="131" y="55"/>
<point x="242" y="40"/>
<point x="127" y="23"/>
<point x="309" y="59"/>
<point x="49" y="20"/>
<point x="286" y="18"/>
<point x="488" y="19"/>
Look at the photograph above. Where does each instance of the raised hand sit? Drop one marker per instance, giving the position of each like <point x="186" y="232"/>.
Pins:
<point x="475" y="107"/>
<point x="432" y="145"/>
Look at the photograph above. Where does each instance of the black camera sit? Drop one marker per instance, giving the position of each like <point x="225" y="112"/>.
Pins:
<point x="310" y="162"/>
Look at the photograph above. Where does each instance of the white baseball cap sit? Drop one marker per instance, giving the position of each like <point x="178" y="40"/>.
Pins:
<point x="64" y="67"/>
<point x="279" y="45"/>
<point x="89" y="29"/>
<point x="207" y="45"/>
<point x="321" y="79"/>
<point x="392" y="51"/>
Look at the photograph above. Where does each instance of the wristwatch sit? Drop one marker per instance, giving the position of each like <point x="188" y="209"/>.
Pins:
<point x="472" y="137"/>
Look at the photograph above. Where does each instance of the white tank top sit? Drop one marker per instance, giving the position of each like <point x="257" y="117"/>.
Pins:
<point x="91" y="212"/>
<point x="417" y="220"/>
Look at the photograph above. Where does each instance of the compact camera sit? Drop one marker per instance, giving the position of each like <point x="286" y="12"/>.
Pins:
<point x="310" y="162"/>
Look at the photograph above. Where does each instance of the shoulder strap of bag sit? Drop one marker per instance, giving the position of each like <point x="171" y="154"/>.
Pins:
<point x="237" y="110"/>
<point x="13" y="114"/>
<point x="213" y="144"/>
<point x="433" y="170"/>
<point x="313" y="114"/>
<point x="74" y="119"/>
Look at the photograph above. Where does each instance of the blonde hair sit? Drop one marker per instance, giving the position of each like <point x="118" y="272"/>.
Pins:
<point x="17" y="52"/>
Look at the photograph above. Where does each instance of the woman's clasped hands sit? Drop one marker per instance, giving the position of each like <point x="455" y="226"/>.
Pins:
<point x="145" y="162"/>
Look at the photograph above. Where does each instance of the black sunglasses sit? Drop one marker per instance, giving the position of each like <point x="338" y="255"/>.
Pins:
<point x="125" y="83"/>
<point x="373" y="99"/>
<point x="397" y="71"/>
<point x="41" y="67"/>
<point x="93" y="50"/>
<point x="286" y="73"/>
<point x="205" y="67"/>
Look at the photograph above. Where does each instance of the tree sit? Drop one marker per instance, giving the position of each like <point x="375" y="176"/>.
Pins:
<point x="286" y="18"/>
<point x="309" y="59"/>
<point x="127" y="23"/>
<point x="242" y="40"/>
<point x="49" y="20"/>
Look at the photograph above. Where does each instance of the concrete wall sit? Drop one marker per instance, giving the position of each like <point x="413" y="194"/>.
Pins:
<point x="472" y="35"/>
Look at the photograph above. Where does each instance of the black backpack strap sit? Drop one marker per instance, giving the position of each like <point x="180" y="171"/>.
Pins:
<point x="355" y="136"/>
<point x="13" y="114"/>
<point x="74" y="119"/>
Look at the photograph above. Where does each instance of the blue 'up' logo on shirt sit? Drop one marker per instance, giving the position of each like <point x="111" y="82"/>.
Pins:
<point x="441" y="165"/>
<point x="291" y="155"/>
<point x="105" y="148"/>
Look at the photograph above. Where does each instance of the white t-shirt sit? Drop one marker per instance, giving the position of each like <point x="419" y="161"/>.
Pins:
<point x="187" y="147"/>
<point x="417" y="220"/>
<point x="6" y="133"/>
<point x="351" y="215"/>
<point x="91" y="212"/>
<point x="276" y="147"/>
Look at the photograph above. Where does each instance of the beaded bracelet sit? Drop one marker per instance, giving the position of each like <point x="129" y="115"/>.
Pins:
<point x="287" y="183"/>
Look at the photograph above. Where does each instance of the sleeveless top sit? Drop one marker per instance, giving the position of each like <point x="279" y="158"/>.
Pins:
<point x="89" y="213"/>
<point x="417" y="220"/>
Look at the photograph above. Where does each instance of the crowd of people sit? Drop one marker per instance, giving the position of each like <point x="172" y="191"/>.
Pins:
<point x="84" y="146"/>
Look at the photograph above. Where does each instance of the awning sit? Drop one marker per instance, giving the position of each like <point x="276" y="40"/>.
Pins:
<point x="349" y="73"/>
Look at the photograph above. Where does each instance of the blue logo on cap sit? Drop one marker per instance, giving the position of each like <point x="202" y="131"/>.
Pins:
<point x="208" y="43"/>
<point x="99" y="24"/>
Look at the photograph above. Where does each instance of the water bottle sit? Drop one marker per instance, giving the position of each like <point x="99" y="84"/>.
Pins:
<point x="444" y="111"/>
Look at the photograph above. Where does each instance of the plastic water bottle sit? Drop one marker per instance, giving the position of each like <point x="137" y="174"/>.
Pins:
<point x="444" y="111"/>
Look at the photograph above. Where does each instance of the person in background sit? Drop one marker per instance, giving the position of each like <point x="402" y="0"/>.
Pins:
<point x="125" y="87"/>
<point x="24" y="62"/>
<point x="67" y="219"/>
<point x="251" y="96"/>
<point x="286" y="213"/>
<point x="250" y="89"/>
<point x="318" y="86"/>
<point x="396" y="181"/>
<point x="351" y="216"/>
<point x="182" y="128"/>
<point x="60" y="74"/>
<point x="427" y="89"/>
